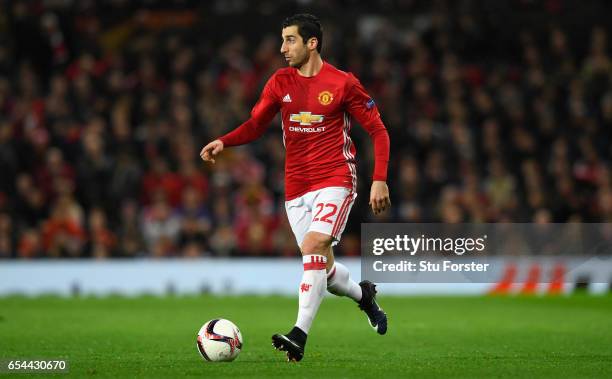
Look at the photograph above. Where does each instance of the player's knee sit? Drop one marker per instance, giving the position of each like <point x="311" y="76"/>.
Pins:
<point x="316" y="243"/>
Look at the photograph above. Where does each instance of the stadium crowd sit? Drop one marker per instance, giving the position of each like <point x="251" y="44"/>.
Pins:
<point x="497" y="112"/>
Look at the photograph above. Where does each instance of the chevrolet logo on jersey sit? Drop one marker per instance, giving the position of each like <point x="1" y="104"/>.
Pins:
<point x="306" y="118"/>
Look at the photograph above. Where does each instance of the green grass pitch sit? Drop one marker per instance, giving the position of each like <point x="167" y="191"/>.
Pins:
<point x="437" y="337"/>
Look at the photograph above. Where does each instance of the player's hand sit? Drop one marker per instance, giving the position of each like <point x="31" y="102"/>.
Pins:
<point x="209" y="151"/>
<point x="379" y="197"/>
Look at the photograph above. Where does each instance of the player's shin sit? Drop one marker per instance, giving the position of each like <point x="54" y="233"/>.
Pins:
<point x="311" y="290"/>
<point x="339" y="282"/>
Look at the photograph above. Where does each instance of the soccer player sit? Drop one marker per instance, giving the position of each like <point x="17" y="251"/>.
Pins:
<point x="316" y="101"/>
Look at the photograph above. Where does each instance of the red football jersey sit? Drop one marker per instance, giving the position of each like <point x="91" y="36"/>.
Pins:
<point x="316" y="119"/>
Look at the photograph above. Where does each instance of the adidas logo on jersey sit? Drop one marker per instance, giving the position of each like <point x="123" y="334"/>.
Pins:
<point x="287" y="99"/>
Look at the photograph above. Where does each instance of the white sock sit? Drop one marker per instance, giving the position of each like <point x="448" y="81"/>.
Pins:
<point x="339" y="282"/>
<point x="312" y="290"/>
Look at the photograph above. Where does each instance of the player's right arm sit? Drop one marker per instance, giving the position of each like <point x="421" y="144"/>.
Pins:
<point x="261" y="115"/>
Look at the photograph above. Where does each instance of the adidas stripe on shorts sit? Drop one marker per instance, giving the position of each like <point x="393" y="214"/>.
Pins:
<point x="325" y="211"/>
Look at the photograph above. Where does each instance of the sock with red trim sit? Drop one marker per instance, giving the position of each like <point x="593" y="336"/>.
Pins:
<point x="339" y="282"/>
<point x="311" y="290"/>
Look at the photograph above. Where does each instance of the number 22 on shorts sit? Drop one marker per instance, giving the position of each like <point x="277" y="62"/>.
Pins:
<point x="331" y="210"/>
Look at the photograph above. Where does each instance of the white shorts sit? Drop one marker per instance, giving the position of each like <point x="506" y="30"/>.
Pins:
<point x="325" y="211"/>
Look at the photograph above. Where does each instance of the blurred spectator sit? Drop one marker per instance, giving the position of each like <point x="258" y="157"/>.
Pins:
<point x="160" y="225"/>
<point x="102" y="241"/>
<point x="30" y="244"/>
<point x="7" y="236"/>
<point x="160" y="179"/>
<point x="94" y="171"/>
<point x="196" y="223"/>
<point x="30" y="204"/>
<point x="63" y="233"/>
<point x="54" y="170"/>
<point x="131" y="240"/>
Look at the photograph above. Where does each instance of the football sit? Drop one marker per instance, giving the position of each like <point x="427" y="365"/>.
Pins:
<point x="219" y="340"/>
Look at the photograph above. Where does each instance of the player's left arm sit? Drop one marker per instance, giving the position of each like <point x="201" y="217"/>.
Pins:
<point x="362" y="107"/>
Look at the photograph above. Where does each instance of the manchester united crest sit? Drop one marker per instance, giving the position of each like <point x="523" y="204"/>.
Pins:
<point x="326" y="97"/>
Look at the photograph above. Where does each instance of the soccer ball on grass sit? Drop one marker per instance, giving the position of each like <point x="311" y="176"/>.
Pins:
<point x="219" y="340"/>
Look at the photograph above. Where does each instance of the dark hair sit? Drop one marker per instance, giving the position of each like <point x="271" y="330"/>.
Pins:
<point x="308" y="26"/>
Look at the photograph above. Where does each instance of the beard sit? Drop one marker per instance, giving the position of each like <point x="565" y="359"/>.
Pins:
<point x="300" y="61"/>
